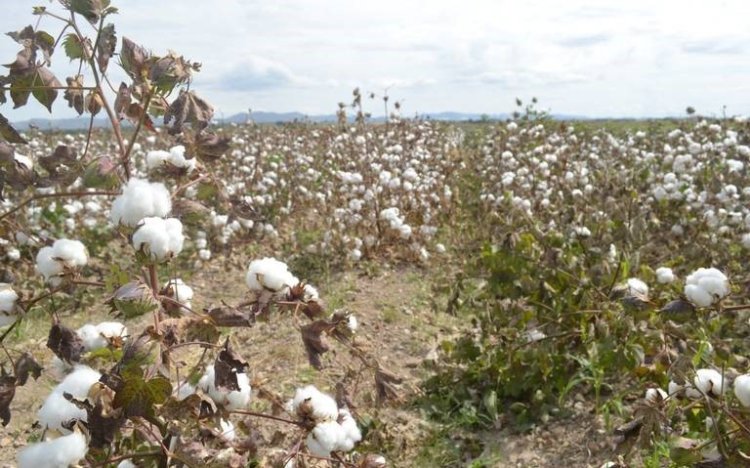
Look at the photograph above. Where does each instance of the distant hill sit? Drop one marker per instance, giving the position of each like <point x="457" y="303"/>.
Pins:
<point x="82" y="123"/>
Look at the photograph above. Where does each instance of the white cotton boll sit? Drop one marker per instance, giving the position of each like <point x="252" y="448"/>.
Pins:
<point x="91" y="338"/>
<point x="177" y="158"/>
<point x="269" y="274"/>
<point x="179" y="291"/>
<point x="140" y="199"/>
<point x="321" y="406"/>
<point x="705" y="286"/>
<point x="350" y="431"/>
<point x="664" y="275"/>
<point x="742" y="389"/>
<point x="324" y="438"/>
<point x="112" y="329"/>
<point x="655" y="395"/>
<point x="8" y="310"/>
<point x="51" y="261"/>
<point x="56" y="410"/>
<point x="156" y="159"/>
<point x="204" y="254"/>
<point x="226" y="430"/>
<point x="126" y="464"/>
<point x="159" y="238"/>
<point x="352" y="323"/>
<point x="355" y="255"/>
<point x="709" y="381"/>
<point x="13" y="254"/>
<point x="230" y="400"/>
<point x="637" y="287"/>
<point x="309" y="293"/>
<point x="675" y="389"/>
<point x="58" y="453"/>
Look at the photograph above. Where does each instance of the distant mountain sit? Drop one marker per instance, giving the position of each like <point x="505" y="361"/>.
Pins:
<point x="82" y="123"/>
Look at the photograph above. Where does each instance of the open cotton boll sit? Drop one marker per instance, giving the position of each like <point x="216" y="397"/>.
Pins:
<point x="324" y="438"/>
<point x="655" y="395"/>
<point x="156" y="158"/>
<point x="159" y="238"/>
<point x="226" y="430"/>
<point x="706" y="286"/>
<point x="311" y="402"/>
<point x="179" y="291"/>
<point x="183" y="391"/>
<point x="8" y="310"/>
<point x="51" y="261"/>
<point x="742" y="389"/>
<point x="62" y="452"/>
<point x="126" y="464"/>
<point x="350" y="431"/>
<point x="56" y="410"/>
<point x="637" y="287"/>
<point x="709" y="381"/>
<point x="98" y="336"/>
<point x="664" y="275"/>
<point x="269" y="274"/>
<point x="230" y="400"/>
<point x="140" y="199"/>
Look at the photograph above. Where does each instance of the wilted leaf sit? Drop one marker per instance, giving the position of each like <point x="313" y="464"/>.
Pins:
<point x="65" y="343"/>
<point x="372" y="460"/>
<point x="188" y="108"/>
<point x="227" y="316"/>
<point x="314" y="340"/>
<point x="7" y="392"/>
<point x="89" y="9"/>
<point x="32" y="41"/>
<point x="684" y="451"/>
<point x="386" y="385"/>
<point x="44" y="84"/>
<point x="101" y="173"/>
<point x="133" y="299"/>
<point x="8" y="133"/>
<point x="26" y="365"/>
<point x="226" y="367"/>
<point x="133" y="59"/>
<point x="679" y="310"/>
<point x="210" y="146"/>
<point x="168" y="71"/>
<point x="105" y="48"/>
<point x="102" y="421"/>
<point x="134" y="113"/>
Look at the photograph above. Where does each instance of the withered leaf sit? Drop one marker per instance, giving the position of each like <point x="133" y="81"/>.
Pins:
<point x="372" y="460"/>
<point x="386" y="385"/>
<point x="103" y="422"/>
<point x="227" y="316"/>
<point x="89" y="9"/>
<point x="7" y="392"/>
<point x="210" y="146"/>
<point x="190" y="211"/>
<point x="188" y="108"/>
<point x="8" y="133"/>
<point x="314" y="340"/>
<point x="168" y="71"/>
<point x="134" y="113"/>
<point x="74" y="93"/>
<point x="65" y="343"/>
<point x="133" y="299"/>
<point x="26" y="365"/>
<point x="133" y="59"/>
<point x="226" y="367"/>
<point x="32" y="41"/>
<point x="106" y="46"/>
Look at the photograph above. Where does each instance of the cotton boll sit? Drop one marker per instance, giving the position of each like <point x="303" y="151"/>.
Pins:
<point x="655" y="395"/>
<point x="140" y="199"/>
<point x="91" y="338"/>
<point x="159" y="238"/>
<point x="126" y="464"/>
<point x="183" y="390"/>
<point x="227" y="432"/>
<point x="742" y="389"/>
<point x="58" y="453"/>
<point x="350" y="431"/>
<point x="269" y="274"/>
<point x="637" y="287"/>
<point x="311" y="402"/>
<point x="705" y="286"/>
<point x="709" y="381"/>
<point x="324" y="438"/>
<point x="8" y="310"/>
<point x="56" y="410"/>
<point x="675" y="389"/>
<point x="179" y="291"/>
<point x="13" y="254"/>
<point x="664" y="275"/>
<point x="230" y="400"/>
<point x="156" y="158"/>
<point x="51" y="261"/>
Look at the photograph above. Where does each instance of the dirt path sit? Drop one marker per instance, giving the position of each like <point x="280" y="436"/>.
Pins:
<point x="395" y="324"/>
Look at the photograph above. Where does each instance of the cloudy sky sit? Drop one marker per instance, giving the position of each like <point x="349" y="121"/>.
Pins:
<point x="586" y="57"/>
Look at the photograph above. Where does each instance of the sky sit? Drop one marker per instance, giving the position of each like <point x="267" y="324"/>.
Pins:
<point x="595" y="58"/>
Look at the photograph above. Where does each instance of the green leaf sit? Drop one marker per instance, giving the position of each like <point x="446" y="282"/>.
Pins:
<point x="89" y="9"/>
<point x="8" y="133"/>
<point x="73" y="47"/>
<point x="138" y="396"/>
<point x="44" y="83"/>
<point x="20" y="90"/>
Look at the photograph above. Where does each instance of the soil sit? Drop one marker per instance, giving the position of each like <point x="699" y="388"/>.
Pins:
<point x="396" y="325"/>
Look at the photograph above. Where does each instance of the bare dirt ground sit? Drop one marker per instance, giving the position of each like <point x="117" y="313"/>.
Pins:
<point x="395" y="322"/>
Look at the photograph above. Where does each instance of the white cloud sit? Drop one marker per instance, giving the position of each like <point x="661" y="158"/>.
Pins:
<point x="586" y="57"/>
